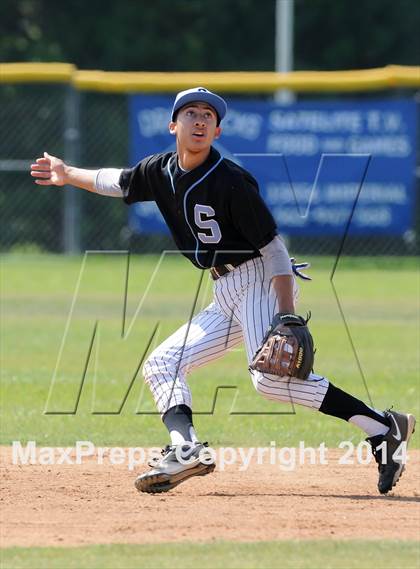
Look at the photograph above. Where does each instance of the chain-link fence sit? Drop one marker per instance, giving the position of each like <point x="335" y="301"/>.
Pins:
<point x="91" y="130"/>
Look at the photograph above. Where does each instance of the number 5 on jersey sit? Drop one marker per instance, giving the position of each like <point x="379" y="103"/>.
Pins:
<point x="203" y="215"/>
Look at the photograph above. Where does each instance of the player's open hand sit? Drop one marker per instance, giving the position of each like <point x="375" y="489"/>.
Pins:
<point x="48" y="171"/>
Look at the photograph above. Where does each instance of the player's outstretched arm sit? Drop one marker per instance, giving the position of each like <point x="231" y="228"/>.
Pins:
<point x="52" y="171"/>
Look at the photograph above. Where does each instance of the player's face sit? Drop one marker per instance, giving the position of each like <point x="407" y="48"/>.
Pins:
<point x="195" y="127"/>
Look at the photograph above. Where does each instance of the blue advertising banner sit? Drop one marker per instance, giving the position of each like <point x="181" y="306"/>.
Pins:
<point x="317" y="163"/>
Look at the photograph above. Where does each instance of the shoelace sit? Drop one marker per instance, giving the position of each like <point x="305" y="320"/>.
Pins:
<point x="378" y="458"/>
<point x="154" y="461"/>
<point x="378" y="454"/>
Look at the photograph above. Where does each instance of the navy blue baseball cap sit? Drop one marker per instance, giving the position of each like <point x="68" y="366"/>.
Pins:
<point x="199" y="95"/>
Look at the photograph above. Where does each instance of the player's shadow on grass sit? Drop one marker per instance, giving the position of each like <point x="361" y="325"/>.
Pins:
<point x="320" y="495"/>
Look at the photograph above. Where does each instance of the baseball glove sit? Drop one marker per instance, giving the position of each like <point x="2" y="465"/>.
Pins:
<point x="287" y="348"/>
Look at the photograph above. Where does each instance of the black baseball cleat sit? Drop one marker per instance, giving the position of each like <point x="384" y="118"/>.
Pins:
<point x="390" y="449"/>
<point x="178" y="463"/>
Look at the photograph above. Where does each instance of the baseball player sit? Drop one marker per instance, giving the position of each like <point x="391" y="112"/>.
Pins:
<point x="219" y="222"/>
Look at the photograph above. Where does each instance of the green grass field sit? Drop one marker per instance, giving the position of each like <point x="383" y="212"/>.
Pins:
<point x="320" y="554"/>
<point x="379" y="300"/>
<point x="379" y="305"/>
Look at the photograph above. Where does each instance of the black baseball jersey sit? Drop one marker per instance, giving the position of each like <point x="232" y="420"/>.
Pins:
<point x="214" y="212"/>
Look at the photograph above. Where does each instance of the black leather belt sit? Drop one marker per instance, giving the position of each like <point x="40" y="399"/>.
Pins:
<point x="221" y="270"/>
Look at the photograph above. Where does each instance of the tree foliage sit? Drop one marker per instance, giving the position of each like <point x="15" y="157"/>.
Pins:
<point x="341" y="34"/>
<point x="179" y="35"/>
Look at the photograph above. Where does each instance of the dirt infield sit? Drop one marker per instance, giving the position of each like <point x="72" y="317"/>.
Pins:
<point x="92" y="504"/>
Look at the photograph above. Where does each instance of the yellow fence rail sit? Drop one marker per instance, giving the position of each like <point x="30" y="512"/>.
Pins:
<point x="389" y="77"/>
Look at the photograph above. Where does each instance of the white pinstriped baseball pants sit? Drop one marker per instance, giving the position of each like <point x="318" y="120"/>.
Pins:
<point x="243" y="307"/>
